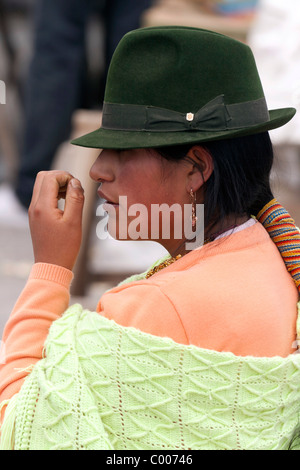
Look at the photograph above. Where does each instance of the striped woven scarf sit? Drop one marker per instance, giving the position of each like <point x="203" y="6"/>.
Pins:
<point x="284" y="233"/>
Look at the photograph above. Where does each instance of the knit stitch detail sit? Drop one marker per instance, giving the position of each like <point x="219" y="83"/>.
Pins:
<point x="51" y="272"/>
<point x="104" y="386"/>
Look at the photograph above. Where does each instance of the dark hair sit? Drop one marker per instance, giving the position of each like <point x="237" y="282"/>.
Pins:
<point x="240" y="182"/>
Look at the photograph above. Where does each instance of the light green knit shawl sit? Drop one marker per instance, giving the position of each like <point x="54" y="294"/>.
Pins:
<point x="103" y="386"/>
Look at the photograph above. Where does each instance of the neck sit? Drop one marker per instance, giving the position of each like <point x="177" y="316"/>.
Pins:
<point x="229" y="223"/>
<point x="176" y="248"/>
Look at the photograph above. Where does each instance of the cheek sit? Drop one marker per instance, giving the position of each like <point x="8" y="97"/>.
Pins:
<point x="140" y="186"/>
<point x="147" y="182"/>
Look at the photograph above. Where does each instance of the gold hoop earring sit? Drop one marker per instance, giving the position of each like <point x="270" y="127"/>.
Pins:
<point x="194" y="218"/>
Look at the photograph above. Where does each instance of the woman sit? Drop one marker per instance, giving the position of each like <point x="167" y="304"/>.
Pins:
<point x="197" y="353"/>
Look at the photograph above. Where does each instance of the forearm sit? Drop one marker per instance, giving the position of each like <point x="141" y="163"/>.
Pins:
<point x="44" y="299"/>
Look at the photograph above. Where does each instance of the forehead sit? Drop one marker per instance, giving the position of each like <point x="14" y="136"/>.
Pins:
<point x="136" y="157"/>
<point x="142" y="162"/>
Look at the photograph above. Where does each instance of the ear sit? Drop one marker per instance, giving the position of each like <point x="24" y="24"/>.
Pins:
<point x="202" y="169"/>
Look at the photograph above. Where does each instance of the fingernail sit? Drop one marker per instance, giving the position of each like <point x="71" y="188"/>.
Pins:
<point x="76" y="184"/>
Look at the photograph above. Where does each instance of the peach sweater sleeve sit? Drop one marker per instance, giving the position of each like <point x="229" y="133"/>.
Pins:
<point x="44" y="299"/>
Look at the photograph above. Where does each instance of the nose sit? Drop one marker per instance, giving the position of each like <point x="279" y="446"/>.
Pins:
<point x="102" y="169"/>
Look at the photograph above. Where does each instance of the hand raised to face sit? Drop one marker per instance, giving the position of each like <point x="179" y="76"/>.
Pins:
<point x="56" y="234"/>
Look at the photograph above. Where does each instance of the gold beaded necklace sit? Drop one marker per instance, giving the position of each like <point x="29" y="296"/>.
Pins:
<point x="162" y="265"/>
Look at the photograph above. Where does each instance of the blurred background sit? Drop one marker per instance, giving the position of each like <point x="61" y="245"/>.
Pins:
<point x="53" y="60"/>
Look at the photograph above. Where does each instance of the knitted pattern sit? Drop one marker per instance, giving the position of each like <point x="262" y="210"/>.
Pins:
<point x="281" y="228"/>
<point x="103" y="386"/>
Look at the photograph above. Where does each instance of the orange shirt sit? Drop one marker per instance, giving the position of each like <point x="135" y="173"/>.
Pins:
<point x="234" y="294"/>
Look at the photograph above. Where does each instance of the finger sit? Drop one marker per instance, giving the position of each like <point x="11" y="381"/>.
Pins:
<point x="37" y="188"/>
<point x="74" y="202"/>
<point x="53" y="184"/>
<point x="62" y="192"/>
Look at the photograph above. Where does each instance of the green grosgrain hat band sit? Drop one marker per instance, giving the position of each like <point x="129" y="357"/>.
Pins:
<point x="214" y="116"/>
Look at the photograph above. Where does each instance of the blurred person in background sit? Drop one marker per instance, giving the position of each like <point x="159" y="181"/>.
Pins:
<point x="231" y="7"/>
<point x="55" y="85"/>
<point x="275" y="41"/>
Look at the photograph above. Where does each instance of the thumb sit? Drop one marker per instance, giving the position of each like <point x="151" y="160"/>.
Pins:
<point x="74" y="201"/>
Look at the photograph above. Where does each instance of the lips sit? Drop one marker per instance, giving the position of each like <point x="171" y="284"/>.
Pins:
<point x="106" y="198"/>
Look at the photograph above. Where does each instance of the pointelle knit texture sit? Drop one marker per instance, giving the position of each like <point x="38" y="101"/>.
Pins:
<point x="104" y="386"/>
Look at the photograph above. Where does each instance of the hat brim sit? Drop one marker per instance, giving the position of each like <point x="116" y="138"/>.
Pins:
<point x="122" y="140"/>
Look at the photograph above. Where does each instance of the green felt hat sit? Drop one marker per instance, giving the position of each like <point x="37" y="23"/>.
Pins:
<point x="175" y="85"/>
